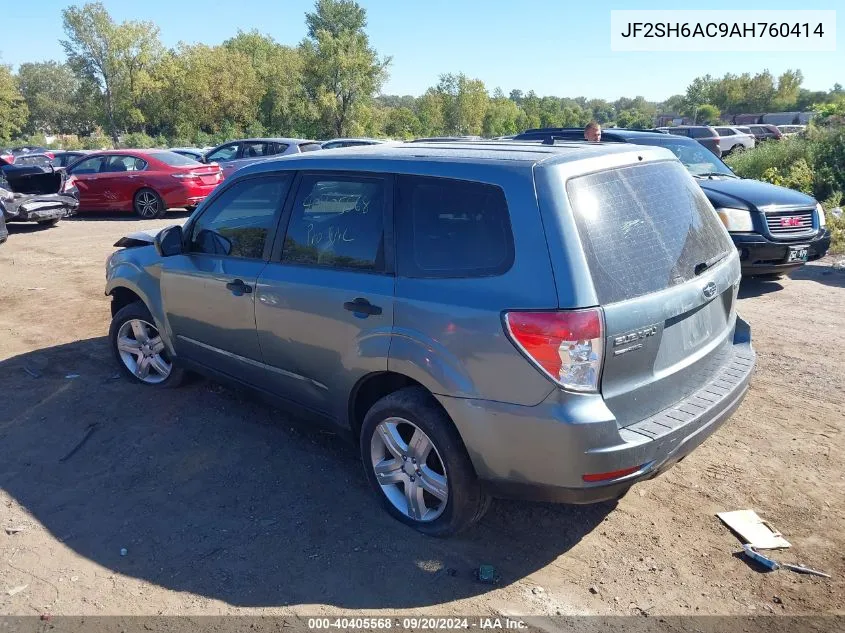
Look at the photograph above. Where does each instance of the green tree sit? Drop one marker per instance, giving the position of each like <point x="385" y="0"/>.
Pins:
<point x="788" y="90"/>
<point x="13" y="108"/>
<point x="342" y="72"/>
<point x="635" y="119"/>
<point x="118" y="58"/>
<point x="601" y="110"/>
<point x="464" y="103"/>
<point x="402" y="123"/>
<point x="212" y="89"/>
<point x="503" y="117"/>
<point x="430" y="112"/>
<point x="706" y="114"/>
<point x="49" y="89"/>
<point x="283" y="105"/>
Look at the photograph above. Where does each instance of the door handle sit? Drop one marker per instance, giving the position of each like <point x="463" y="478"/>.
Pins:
<point x="361" y="306"/>
<point x="238" y="287"/>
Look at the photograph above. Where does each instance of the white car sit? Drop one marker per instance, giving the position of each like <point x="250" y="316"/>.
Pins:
<point x="792" y="130"/>
<point x="337" y="143"/>
<point x="732" y="140"/>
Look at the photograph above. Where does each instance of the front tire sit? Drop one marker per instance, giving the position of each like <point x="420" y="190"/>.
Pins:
<point x="148" y="204"/>
<point x="139" y="350"/>
<point x="418" y="466"/>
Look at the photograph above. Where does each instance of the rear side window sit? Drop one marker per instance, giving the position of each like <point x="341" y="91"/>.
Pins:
<point x="451" y="228"/>
<point x="310" y="147"/>
<point x="644" y="228"/>
<point x="338" y="222"/>
<point x="725" y="131"/>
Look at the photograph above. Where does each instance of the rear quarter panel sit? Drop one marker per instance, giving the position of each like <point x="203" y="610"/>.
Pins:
<point x="448" y="332"/>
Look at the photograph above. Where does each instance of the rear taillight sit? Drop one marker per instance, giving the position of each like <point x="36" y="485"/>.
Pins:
<point x="70" y="184"/>
<point x="186" y="176"/>
<point x="567" y="345"/>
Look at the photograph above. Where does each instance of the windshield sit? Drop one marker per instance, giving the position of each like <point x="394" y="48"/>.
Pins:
<point x="698" y="160"/>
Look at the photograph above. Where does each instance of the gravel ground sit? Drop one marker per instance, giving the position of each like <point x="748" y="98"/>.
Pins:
<point x="224" y="506"/>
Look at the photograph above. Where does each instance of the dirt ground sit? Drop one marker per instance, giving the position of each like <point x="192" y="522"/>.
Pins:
<point x="224" y="507"/>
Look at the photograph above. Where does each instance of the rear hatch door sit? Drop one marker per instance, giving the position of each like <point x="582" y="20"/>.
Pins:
<point x="666" y="274"/>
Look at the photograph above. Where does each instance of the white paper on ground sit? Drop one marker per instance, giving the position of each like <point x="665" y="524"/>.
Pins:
<point x="753" y="530"/>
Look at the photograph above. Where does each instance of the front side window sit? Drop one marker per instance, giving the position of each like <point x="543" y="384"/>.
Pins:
<point x="309" y="147"/>
<point x="227" y="152"/>
<point x="452" y="228"/>
<point x="338" y="222"/>
<point x="257" y="149"/>
<point x="87" y="166"/>
<point x="239" y="222"/>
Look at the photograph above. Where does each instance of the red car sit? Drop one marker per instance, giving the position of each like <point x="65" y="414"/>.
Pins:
<point x="147" y="182"/>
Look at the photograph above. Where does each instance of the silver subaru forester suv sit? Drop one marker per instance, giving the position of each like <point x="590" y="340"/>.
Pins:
<point x="547" y="322"/>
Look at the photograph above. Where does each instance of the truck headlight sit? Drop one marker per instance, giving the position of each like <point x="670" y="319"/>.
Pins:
<point x="820" y="212"/>
<point x="736" y="220"/>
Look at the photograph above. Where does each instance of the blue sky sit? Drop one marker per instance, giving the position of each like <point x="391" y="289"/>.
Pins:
<point x="558" y="47"/>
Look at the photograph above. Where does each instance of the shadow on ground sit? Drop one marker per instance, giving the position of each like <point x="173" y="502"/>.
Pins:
<point x="26" y="227"/>
<point x="215" y="493"/>
<point x="122" y="216"/>
<point x="755" y="286"/>
<point x="825" y="274"/>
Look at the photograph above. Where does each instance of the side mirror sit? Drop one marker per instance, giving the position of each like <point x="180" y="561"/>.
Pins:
<point x="168" y="242"/>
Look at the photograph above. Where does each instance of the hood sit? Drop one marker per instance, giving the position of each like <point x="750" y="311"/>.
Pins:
<point x="752" y="194"/>
<point x="139" y="238"/>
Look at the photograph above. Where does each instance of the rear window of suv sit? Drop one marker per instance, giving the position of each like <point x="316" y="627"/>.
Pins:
<point x="644" y="228"/>
<point x="451" y="228"/>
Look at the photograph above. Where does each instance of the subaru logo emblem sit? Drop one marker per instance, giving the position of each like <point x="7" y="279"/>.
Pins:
<point x="709" y="290"/>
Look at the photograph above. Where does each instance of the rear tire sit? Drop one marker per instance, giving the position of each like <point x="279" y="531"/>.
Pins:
<point x="148" y="204"/>
<point x="736" y="149"/>
<point x="439" y="495"/>
<point x="52" y="222"/>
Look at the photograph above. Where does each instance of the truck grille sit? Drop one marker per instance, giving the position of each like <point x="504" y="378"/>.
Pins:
<point x="790" y="223"/>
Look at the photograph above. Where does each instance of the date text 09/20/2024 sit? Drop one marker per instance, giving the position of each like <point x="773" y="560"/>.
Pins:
<point x="417" y="623"/>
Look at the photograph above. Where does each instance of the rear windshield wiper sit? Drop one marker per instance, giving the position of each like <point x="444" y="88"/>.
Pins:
<point x="700" y="268"/>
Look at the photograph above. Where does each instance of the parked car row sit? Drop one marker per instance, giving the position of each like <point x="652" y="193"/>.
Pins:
<point x="774" y="229"/>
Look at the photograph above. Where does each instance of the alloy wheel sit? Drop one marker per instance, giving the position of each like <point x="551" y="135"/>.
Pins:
<point x="142" y="351"/>
<point x="147" y="204"/>
<point x="409" y="469"/>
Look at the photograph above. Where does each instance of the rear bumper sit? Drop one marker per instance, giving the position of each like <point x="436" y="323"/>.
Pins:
<point x="759" y="255"/>
<point x="188" y="197"/>
<point x="38" y="208"/>
<point x="543" y="452"/>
